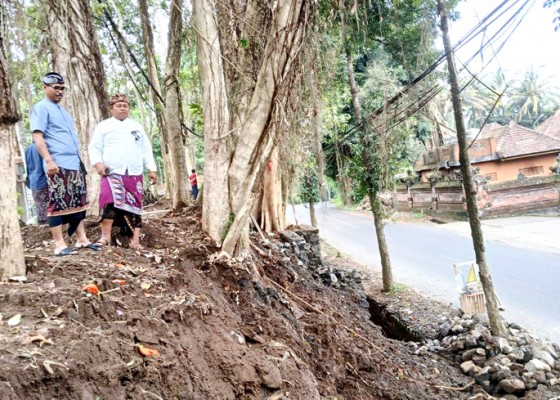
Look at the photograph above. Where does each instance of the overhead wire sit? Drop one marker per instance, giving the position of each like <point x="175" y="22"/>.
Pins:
<point x="470" y="35"/>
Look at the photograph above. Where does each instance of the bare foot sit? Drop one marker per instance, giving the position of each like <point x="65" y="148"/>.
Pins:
<point x="137" y="247"/>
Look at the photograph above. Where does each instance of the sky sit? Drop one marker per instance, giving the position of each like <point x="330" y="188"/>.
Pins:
<point x="533" y="43"/>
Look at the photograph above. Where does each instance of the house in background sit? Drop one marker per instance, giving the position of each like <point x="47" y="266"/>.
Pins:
<point x="551" y="126"/>
<point x="503" y="153"/>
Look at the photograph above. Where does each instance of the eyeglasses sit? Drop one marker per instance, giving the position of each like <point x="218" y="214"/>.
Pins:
<point x="136" y="135"/>
<point x="58" y="88"/>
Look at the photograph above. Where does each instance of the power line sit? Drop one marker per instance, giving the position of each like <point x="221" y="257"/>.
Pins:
<point x="475" y="31"/>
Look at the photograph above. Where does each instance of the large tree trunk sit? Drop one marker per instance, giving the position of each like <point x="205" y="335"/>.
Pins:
<point x="156" y="92"/>
<point x="216" y="209"/>
<point x="77" y="57"/>
<point x="173" y="110"/>
<point x="496" y="324"/>
<point x="282" y="32"/>
<point x="11" y="245"/>
<point x="272" y="212"/>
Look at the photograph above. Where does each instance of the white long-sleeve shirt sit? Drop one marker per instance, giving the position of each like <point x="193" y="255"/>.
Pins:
<point x="123" y="146"/>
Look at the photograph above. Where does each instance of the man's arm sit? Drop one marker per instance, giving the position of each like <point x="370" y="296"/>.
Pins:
<point x="38" y="119"/>
<point x="39" y="141"/>
<point x="95" y="150"/>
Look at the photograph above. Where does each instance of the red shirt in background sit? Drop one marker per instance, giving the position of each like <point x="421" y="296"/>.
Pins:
<point x="192" y="179"/>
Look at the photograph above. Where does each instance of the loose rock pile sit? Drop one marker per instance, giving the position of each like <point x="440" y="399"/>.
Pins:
<point x="517" y="366"/>
<point x="303" y="243"/>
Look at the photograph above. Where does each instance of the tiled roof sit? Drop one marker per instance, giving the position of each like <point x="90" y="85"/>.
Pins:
<point x="491" y="126"/>
<point x="516" y="141"/>
<point x="551" y="126"/>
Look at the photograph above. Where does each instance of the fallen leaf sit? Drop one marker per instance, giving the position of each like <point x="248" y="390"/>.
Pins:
<point x="47" y="364"/>
<point x="148" y="294"/>
<point x="36" y="338"/>
<point x="146" y="352"/>
<point x="130" y="363"/>
<point x="145" y="286"/>
<point x="119" y="265"/>
<point x="15" y="320"/>
<point x="91" y="288"/>
<point x="158" y="259"/>
<point x="119" y="281"/>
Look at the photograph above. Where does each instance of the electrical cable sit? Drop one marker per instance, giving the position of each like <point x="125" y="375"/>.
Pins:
<point x="466" y="38"/>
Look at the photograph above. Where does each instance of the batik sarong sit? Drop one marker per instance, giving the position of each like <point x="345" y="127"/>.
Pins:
<point x="120" y="199"/>
<point x="67" y="198"/>
<point x="41" y="198"/>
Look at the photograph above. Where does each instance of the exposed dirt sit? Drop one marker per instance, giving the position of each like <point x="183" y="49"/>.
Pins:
<point x="221" y="332"/>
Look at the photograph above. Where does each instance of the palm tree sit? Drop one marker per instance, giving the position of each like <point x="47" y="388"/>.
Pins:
<point x="533" y="99"/>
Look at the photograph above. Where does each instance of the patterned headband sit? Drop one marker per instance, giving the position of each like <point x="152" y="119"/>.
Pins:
<point x="117" y="98"/>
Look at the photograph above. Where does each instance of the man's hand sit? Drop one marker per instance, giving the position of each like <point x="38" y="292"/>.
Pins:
<point x="52" y="168"/>
<point x="101" y="168"/>
<point x="153" y="177"/>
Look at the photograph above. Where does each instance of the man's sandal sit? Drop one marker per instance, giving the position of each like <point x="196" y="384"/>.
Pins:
<point x="91" y="246"/>
<point x="102" y="242"/>
<point x="64" y="252"/>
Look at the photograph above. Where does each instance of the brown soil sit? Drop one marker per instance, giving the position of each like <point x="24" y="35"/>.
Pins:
<point x="221" y="332"/>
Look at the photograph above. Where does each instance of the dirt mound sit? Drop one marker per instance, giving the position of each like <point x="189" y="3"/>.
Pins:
<point x="220" y="333"/>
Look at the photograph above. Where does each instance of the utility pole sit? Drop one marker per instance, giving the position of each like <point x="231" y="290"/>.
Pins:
<point x="496" y="324"/>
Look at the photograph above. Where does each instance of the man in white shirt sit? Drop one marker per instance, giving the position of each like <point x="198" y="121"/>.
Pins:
<point x="120" y="151"/>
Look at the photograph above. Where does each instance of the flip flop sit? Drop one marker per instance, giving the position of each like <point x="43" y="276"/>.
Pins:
<point x="91" y="246"/>
<point x="65" y="252"/>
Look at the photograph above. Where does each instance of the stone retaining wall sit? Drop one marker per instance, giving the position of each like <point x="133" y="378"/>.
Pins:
<point x="533" y="195"/>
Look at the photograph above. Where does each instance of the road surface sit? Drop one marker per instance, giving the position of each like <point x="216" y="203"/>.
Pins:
<point x="422" y="254"/>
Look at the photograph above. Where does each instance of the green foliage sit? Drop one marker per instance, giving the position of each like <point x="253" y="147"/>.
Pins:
<point x="197" y="115"/>
<point x="244" y="43"/>
<point x="381" y="153"/>
<point x="337" y="201"/>
<point x="533" y="99"/>
<point x="98" y="9"/>
<point x="528" y="100"/>
<point x="309" y="182"/>
<point x="227" y="225"/>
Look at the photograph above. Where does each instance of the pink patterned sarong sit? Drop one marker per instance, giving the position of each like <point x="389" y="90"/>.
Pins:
<point x="124" y="191"/>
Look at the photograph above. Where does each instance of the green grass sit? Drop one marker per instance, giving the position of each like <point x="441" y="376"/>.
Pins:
<point x="338" y="203"/>
<point x="397" y="287"/>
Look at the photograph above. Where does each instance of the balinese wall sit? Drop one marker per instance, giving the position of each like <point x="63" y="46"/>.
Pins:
<point x="494" y="199"/>
<point x="515" y="197"/>
<point x="508" y="170"/>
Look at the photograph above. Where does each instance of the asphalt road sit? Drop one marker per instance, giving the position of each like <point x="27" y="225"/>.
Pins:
<point x="422" y="255"/>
